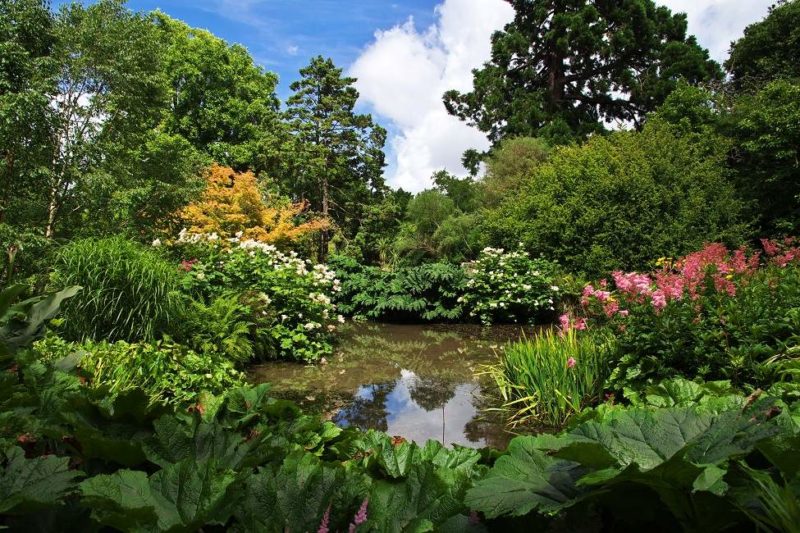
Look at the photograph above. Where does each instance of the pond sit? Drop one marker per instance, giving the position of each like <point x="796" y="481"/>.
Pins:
<point x="412" y="381"/>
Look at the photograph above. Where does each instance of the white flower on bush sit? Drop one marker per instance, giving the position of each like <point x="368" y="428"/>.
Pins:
<point x="157" y="243"/>
<point x="312" y="325"/>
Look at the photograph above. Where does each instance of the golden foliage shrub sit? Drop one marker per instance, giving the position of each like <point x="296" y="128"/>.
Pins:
<point x="233" y="203"/>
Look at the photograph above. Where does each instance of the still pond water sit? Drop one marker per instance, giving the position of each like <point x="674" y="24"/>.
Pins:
<point x="417" y="382"/>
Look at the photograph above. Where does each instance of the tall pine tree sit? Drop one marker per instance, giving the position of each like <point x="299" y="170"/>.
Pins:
<point x="339" y="154"/>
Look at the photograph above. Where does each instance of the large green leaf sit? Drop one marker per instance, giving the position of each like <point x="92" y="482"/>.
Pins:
<point x="29" y="484"/>
<point x="524" y="480"/>
<point x="181" y="497"/>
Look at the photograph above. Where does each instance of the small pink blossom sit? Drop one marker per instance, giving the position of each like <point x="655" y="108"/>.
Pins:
<point x="571" y="362"/>
<point x="326" y="519"/>
<point x="361" y="516"/>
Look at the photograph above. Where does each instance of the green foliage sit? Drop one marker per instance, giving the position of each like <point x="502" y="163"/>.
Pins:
<point x="632" y="466"/>
<point x="27" y="485"/>
<point x="561" y="68"/>
<point x="21" y="323"/>
<point x="130" y="292"/>
<point x="623" y="200"/>
<point x="427" y="293"/>
<point x="223" y="104"/>
<point x="164" y="371"/>
<point x="553" y="376"/>
<point x="220" y="327"/>
<point x="766" y="129"/>
<point x="509" y="165"/>
<point x="510" y="287"/>
<point x="285" y="302"/>
<point x="768" y="49"/>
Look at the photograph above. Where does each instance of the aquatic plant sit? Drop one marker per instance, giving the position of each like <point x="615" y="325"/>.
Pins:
<point x="554" y="375"/>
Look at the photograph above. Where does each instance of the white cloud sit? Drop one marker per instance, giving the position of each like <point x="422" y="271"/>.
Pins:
<point x="717" y="23"/>
<point x="403" y="73"/>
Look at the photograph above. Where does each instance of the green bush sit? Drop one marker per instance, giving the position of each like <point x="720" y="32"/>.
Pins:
<point x="25" y="256"/>
<point x="426" y="293"/>
<point x="553" y="376"/>
<point x="286" y="301"/>
<point x="129" y="292"/>
<point x="510" y="287"/>
<point x="167" y="373"/>
<point x="622" y="200"/>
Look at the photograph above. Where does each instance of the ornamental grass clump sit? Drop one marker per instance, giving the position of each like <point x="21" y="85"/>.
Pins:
<point x="129" y="291"/>
<point x="547" y="379"/>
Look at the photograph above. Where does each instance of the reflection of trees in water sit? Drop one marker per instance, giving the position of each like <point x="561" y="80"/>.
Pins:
<point x="431" y="392"/>
<point x="368" y="411"/>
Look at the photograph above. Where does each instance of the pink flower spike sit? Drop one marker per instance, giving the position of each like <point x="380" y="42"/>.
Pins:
<point x="361" y="516"/>
<point x="326" y="519"/>
<point x="571" y="362"/>
<point x="564" y="320"/>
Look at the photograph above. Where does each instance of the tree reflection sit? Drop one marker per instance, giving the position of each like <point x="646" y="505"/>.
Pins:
<point x="368" y="409"/>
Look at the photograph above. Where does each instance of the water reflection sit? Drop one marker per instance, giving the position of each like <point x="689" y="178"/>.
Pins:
<point x="413" y="381"/>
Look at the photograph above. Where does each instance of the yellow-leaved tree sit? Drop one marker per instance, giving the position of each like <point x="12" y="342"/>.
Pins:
<point x="233" y="203"/>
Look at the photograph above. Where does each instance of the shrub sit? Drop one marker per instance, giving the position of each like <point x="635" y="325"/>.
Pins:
<point x="129" y="291"/>
<point x="553" y="376"/>
<point x="714" y="314"/>
<point x="510" y="287"/>
<point x="289" y="304"/>
<point x="425" y="293"/>
<point x="621" y="200"/>
<point x="234" y="203"/>
<point x="168" y="373"/>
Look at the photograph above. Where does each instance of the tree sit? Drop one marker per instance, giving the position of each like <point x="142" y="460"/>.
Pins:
<point x="339" y="154"/>
<point x="624" y="200"/>
<point x="107" y="97"/>
<point x="234" y="203"/>
<point x="220" y="100"/>
<point x="509" y="165"/>
<point x="765" y="127"/>
<point x="26" y="79"/>
<point x="769" y="49"/>
<point x="562" y="68"/>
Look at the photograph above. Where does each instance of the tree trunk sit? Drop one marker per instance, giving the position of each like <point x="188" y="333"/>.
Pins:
<point x="52" y="212"/>
<point x="324" y="236"/>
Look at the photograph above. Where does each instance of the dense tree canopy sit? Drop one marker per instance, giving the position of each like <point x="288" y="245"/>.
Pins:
<point x="624" y="200"/>
<point x="220" y="100"/>
<point x="770" y="48"/>
<point x="563" y="68"/>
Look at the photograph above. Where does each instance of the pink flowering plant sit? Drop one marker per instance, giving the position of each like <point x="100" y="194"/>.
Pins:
<point x="713" y="314"/>
<point x="511" y="287"/>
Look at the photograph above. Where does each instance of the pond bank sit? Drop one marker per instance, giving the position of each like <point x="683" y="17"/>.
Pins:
<point x="413" y="381"/>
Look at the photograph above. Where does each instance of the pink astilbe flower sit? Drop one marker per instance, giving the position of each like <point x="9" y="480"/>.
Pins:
<point x="580" y="324"/>
<point x="770" y="247"/>
<point x="324" y="525"/>
<point x="564" y="321"/>
<point x="361" y="516"/>
<point x="571" y="362"/>
<point x="659" y="300"/>
<point x="611" y="308"/>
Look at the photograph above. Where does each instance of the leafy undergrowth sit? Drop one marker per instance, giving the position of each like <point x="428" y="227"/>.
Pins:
<point x="722" y="463"/>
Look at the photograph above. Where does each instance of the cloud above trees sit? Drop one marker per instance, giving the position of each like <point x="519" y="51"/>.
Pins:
<point x="404" y="71"/>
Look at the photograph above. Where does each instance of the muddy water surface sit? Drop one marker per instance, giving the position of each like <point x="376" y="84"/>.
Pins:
<point x="413" y="381"/>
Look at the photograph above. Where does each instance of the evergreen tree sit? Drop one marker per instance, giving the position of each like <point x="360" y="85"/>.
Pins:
<point x="562" y="68"/>
<point x="770" y="49"/>
<point x="339" y="154"/>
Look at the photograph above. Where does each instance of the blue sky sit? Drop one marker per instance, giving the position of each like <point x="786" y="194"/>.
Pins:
<point x="283" y="35"/>
<point x="406" y="54"/>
